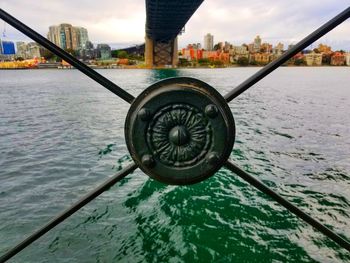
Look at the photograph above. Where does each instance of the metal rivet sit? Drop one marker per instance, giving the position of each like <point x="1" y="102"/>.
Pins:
<point x="144" y="114"/>
<point x="147" y="160"/>
<point x="179" y="135"/>
<point x="211" y="111"/>
<point x="213" y="158"/>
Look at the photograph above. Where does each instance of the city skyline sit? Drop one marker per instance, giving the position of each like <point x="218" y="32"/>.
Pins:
<point x="235" y="22"/>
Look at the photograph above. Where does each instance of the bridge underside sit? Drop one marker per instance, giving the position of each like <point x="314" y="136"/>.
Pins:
<point x="165" y="20"/>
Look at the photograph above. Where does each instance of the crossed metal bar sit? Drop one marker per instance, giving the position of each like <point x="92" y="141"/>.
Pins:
<point x="331" y="24"/>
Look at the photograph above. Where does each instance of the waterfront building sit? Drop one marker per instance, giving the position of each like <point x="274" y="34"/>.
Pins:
<point x="210" y="54"/>
<point x="83" y="36"/>
<point x="208" y="42"/>
<point x="217" y="56"/>
<point x="75" y="38"/>
<point x="192" y="53"/>
<point x="261" y="58"/>
<point x="313" y="59"/>
<point x="347" y="59"/>
<point x="103" y="51"/>
<point x="251" y="48"/>
<point x="34" y="50"/>
<point x="28" y="51"/>
<point x="219" y="46"/>
<point x="195" y="45"/>
<point x="237" y="52"/>
<point x="257" y="43"/>
<point x="66" y="31"/>
<point x="21" y="49"/>
<point x="8" y="48"/>
<point x="54" y="36"/>
<point x="88" y="52"/>
<point x="240" y="50"/>
<point x="266" y="48"/>
<point x="67" y="36"/>
<point x="227" y="46"/>
<point x="278" y="50"/>
<point x="338" y="59"/>
<point x="186" y="54"/>
<point x="61" y="35"/>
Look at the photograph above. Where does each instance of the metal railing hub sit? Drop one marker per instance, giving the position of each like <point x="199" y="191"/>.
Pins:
<point x="180" y="131"/>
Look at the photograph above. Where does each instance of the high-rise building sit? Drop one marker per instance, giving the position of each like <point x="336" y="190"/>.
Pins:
<point x="54" y="36"/>
<point x="83" y="37"/>
<point x="257" y="43"/>
<point x="75" y="38"/>
<point x="208" y="42"/>
<point x="68" y="37"/>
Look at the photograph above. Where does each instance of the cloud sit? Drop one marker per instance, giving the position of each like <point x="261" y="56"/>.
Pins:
<point x="106" y="20"/>
<point x="239" y="21"/>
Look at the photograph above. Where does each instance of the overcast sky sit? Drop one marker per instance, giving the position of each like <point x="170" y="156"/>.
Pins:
<point x="121" y="23"/>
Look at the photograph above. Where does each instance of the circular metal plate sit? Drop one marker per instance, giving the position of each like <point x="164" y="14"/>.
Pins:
<point x="180" y="131"/>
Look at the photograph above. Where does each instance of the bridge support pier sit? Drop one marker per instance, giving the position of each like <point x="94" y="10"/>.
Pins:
<point x="161" y="53"/>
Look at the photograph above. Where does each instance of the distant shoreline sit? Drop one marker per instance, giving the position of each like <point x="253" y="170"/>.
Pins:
<point x="227" y="67"/>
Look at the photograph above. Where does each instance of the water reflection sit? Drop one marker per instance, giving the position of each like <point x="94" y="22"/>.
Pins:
<point x="159" y="74"/>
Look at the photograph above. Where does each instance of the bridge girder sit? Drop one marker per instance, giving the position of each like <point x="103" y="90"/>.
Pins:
<point x="164" y="21"/>
<point x="166" y="18"/>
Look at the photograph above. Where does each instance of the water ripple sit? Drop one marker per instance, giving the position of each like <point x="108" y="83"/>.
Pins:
<point x="59" y="139"/>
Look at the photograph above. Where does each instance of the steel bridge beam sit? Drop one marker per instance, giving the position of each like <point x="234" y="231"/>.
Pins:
<point x="164" y="21"/>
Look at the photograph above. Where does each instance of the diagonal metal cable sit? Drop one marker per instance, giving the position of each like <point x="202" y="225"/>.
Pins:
<point x="68" y="212"/>
<point x="66" y="56"/>
<point x="292" y="208"/>
<point x="324" y="29"/>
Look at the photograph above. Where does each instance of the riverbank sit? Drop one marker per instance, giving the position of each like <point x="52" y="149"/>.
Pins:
<point x="144" y="67"/>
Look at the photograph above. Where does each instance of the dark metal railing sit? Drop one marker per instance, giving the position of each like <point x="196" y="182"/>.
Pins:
<point x="129" y="98"/>
<point x="282" y="201"/>
<point x="69" y="211"/>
